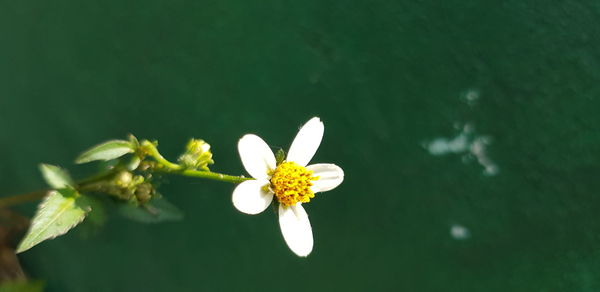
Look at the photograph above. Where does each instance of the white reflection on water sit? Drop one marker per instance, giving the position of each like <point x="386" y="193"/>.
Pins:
<point x="478" y="149"/>
<point x="458" y="144"/>
<point x="471" y="96"/>
<point x="459" y="232"/>
<point x="467" y="143"/>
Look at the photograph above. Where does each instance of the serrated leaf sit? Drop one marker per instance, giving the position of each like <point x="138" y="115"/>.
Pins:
<point x="157" y="210"/>
<point x="60" y="211"/>
<point x="106" y="151"/>
<point x="55" y="176"/>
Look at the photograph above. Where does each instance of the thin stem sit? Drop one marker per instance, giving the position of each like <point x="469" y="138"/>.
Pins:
<point x="38" y="195"/>
<point x="22" y="198"/>
<point x="213" y="176"/>
<point x="170" y="167"/>
<point x="153" y="152"/>
<point x="96" y="178"/>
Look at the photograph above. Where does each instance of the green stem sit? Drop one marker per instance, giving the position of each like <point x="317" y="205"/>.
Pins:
<point x="173" y="168"/>
<point x="96" y="178"/>
<point x="153" y="152"/>
<point x="213" y="176"/>
<point x="38" y="195"/>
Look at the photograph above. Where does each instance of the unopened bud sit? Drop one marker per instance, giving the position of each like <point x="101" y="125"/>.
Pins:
<point x="123" y="179"/>
<point x="144" y="192"/>
<point x="197" y="155"/>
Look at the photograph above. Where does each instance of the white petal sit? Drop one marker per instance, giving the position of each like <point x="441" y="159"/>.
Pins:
<point x="257" y="157"/>
<point x="307" y="142"/>
<point x="250" y="197"/>
<point x="330" y="176"/>
<point x="296" y="229"/>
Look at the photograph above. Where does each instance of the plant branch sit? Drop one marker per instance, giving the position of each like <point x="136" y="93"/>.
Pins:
<point x="22" y="198"/>
<point x="163" y="165"/>
<point x="173" y="168"/>
<point x="211" y="175"/>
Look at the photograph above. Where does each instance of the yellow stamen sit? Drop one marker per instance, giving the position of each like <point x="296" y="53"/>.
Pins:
<point x="291" y="183"/>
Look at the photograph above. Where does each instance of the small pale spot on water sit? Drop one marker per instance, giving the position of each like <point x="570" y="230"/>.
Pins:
<point x="470" y="96"/>
<point x="459" y="232"/>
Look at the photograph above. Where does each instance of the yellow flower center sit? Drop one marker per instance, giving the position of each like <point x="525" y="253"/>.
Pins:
<point x="291" y="183"/>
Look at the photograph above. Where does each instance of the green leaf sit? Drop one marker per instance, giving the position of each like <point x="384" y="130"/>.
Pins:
<point x="60" y="211"/>
<point x="55" y="176"/>
<point x="106" y="151"/>
<point x="157" y="210"/>
<point x="134" y="141"/>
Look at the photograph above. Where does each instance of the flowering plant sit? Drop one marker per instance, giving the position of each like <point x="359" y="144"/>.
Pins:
<point x="132" y="169"/>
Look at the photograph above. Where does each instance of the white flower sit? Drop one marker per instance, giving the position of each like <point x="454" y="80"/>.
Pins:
<point x="291" y="182"/>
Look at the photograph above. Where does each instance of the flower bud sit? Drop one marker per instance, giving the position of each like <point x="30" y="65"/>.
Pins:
<point x="197" y="155"/>
<point x="144" y="193"/>
<point x="123" y="179"/>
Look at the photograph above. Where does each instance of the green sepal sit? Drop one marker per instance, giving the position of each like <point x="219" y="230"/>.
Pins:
<point x="134" y="141"/>
<point x="55" y="176"/>
<point x="106" y="151"/>
<point x="60" y="211"/>
<point x="279" y="156"/>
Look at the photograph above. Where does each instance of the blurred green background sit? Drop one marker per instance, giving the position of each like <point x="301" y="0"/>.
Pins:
<point x="468" y="132"/>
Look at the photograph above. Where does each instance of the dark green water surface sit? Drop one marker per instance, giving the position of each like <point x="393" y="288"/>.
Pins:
<point x="469" y="132"/>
